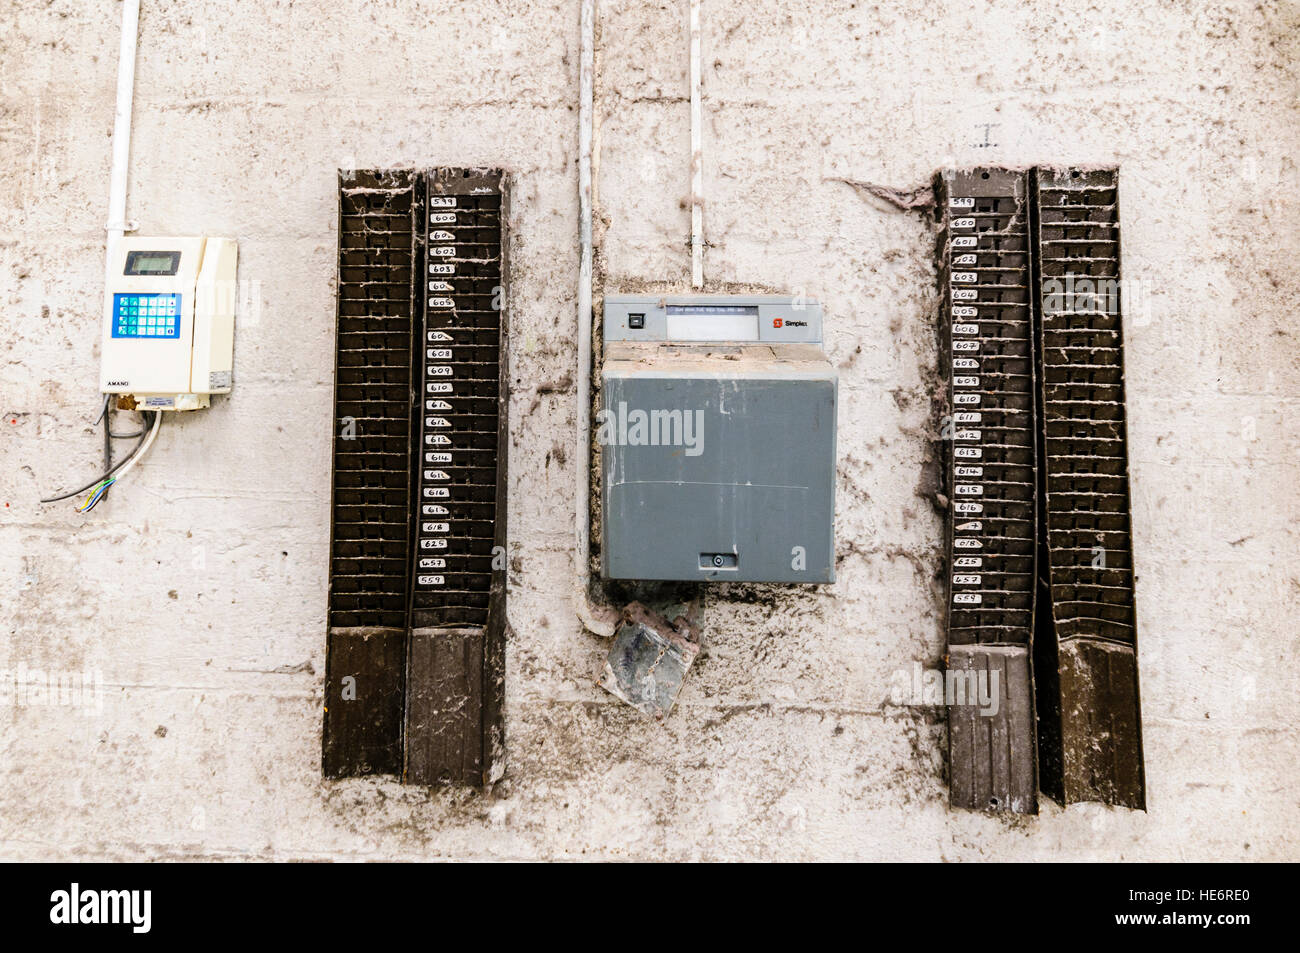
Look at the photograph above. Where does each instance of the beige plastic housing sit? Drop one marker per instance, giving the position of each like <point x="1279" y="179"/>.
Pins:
<point x="180" y="372"/>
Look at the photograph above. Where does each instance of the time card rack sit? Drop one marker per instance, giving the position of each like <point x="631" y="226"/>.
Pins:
<point x="1039" y="557"/>
<point x="417" y="588"/>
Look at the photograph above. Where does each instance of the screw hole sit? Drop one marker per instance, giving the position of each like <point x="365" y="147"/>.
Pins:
<point x="984" y="175"/>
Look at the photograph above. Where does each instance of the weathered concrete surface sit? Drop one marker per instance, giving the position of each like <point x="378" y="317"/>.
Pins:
<point x="198" y="589"/>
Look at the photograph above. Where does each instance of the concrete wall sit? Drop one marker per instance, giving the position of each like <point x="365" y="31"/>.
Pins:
<point x="198" y="589"/>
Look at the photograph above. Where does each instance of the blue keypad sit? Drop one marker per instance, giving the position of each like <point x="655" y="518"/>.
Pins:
<point x="146" y="315"/>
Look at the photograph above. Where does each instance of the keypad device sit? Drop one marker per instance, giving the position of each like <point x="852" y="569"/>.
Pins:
<point x="151" y="315"/>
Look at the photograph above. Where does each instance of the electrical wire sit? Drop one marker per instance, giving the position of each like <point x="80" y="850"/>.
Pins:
<point x="101" y="489"/>
<point x="116" y="472"/>
<point x="107" y="417"/>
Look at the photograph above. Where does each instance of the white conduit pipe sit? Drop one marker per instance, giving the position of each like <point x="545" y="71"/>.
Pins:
<point x="599" y="620"/>
<point x="697" y="156"/>
<point x="117" y="223"/>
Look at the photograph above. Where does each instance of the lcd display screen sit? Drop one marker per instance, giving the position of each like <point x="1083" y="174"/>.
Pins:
<point x="152" y="262"/>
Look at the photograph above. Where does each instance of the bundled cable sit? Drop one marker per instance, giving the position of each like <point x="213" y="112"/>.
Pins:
<point x="100" y="485"/>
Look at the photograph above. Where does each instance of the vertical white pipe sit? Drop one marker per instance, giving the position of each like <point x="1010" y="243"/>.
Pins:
<point x="117" y="224"/>
<point x="582" y="461"/>
<point x="697" y="156"/>
<point x="600" y="621"/>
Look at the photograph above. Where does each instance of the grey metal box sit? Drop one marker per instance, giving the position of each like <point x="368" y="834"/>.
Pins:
<point x="717" y="435"/>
